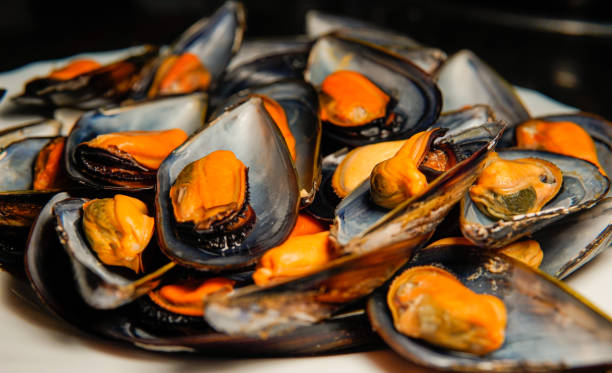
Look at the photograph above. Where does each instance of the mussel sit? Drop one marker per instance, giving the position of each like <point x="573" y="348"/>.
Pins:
<point x="122" y="148"/>
<point x="548" y="325"/>
<point x="85" y="84"/>
<point x="265" y="154"/>
<point x="388" y="98"/>
<point x="512" y="187"/>
<point x="582" y="186"/>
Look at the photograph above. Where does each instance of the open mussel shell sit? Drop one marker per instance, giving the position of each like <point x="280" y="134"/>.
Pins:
<point x="251" y="134"/>
<point x="19" y="204"/>
<point x="182" y="112"/>
<point x="254" y="49"/>
<point x="49" y="270"/>
<point x="583" y="185"/>
<point x="300" y="103"/>
<point x="102" y="286"/>
<point x="464" y="80"/>
<point x="265" y="70"/>
<point x="418" y="100"/>
<point x="320" y="23"/>
<point x="597" y="127"/>
<point x="214" y="40"/>
<point x="549" y="326"/>
<point x="106" y="85"/>
<point x="574" y="241"/>
<point x="358" y="218"/>
<point x="43" y="128"/>
<point x="457" y="121"/>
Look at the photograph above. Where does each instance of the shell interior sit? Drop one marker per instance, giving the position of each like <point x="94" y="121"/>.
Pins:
<point x="466" y="80"/>
<point x="17" y="163"/>
<point x="575" y="240"/>
<point x="44" y="128"/>
<point x="583" y="186"/>
<point x="254" y="49"/>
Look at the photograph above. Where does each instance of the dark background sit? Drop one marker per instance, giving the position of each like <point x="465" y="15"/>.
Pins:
<point x="560" y="48"/>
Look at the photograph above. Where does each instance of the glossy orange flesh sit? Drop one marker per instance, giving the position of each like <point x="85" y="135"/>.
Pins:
<point x="528" y="252"/>
<point x="186" y="297"/>
<point x="558" y="137"/>
<point x="509" y="187"/>
<point x="295" y="257"/>
<point x="210" y="190"/>
<point x="358" y="164"/>
<point x="148" y="148"/>
<point x="399" y="178"/>
<point x="74" y="69"/>
<point x="277" y="113"/>
<point x="428" y="302"/>
<point x="48" y="167"/>
<point x="350" y="99"/>
<point x="306" y="224"/>
<point x="118" y="230"/>
<point x="460" y="241"/>
<point x="180" y="74"/>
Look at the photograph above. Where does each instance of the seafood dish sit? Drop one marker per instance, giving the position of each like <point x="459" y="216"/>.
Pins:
<point x="343" y="190"/>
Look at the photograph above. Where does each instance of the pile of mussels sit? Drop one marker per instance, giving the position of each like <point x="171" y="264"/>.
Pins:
<point x="308" y="197"/>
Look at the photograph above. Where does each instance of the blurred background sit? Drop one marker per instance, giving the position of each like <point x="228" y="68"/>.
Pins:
<point x="556" y="47"/>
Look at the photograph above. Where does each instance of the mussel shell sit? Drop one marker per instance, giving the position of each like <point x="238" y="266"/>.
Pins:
<point x="582" y="187"/>
<point x="184" y="112"/>
<point x="254" y="49"/>
<point x="418" y="98"/>
<point x="357" y="217"/>
<point x="321" y="23"/>
<point x="99" y="285"/>
<point x="549" y="326"/>
<point x="43" y="128"/>
<point x="93" y="89"/>
<point x="465" y="80"/>
<point x="598" y="128"/>
<point x="49" y="271"/>
<point x="19" y="204"/>
<point x="300" y="103"/>
<point x="463" y="119"/>
<point x="265" y="70"/>
<point x="574" y="241"/>
<point x="251" y="134"/>
<point x="216" y="39"/>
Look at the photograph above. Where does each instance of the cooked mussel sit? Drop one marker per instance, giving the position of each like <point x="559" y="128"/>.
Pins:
<point x="210" y="202"/>
<point x="107" y="241"/>
<point x="85" y="84"/>
<point x="429" y="303"/>
<point x="264" y="153"/>
<point x="43" y="128"/>
<point x="407" y="173"/>
<point x="583" y="185"/>
<point x="122" y="148"/>
<point x="548" y="325"/>
<point x="32" y="170"/>
<point x="506" y="188"/>
<point x="397" y="101"/>
<point x="196" y="61"/>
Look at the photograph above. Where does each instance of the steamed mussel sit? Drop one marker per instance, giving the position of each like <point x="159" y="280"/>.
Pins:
<point x="210" y="201"/>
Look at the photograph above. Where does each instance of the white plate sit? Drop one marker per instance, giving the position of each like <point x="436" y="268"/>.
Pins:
<point x="31" y="340"/>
